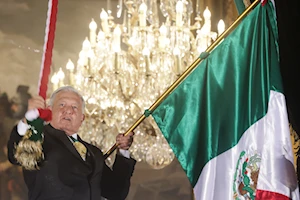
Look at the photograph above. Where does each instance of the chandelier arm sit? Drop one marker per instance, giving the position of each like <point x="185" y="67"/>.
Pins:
<point x="187" y="72"/>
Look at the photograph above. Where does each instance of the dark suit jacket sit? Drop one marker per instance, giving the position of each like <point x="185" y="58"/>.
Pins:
<point x="63" y="175"/>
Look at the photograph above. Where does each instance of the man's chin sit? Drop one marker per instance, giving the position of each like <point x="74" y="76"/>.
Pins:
<point x="67" y="129"/>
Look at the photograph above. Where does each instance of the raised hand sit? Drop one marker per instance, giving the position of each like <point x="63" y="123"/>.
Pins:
<point x="124" y="142"/>
<point x="36" y="102"/>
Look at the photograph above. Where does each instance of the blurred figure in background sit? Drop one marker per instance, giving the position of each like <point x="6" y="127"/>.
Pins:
<point x="12" y="186"/>
<point x="4" y="112"/>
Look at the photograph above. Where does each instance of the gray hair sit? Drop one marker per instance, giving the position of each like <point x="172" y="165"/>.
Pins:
<point x="70" y="89"/>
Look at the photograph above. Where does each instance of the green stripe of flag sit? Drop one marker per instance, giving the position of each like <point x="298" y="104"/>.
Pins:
<point x="228" y="92"/>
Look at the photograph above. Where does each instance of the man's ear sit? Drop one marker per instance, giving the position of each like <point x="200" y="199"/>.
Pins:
<point x="83" y="117"/>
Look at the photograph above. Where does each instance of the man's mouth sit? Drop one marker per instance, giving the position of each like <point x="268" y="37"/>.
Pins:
<point x="67" y="118"/>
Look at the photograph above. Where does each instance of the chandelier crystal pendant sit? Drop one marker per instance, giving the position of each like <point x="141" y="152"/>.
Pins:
<point x="123" y="68"/>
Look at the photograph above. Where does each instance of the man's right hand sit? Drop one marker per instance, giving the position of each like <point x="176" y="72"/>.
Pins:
<point x="36" y="102"/>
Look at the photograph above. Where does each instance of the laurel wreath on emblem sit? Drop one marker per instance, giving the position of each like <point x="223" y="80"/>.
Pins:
<point x="245" y="176"/>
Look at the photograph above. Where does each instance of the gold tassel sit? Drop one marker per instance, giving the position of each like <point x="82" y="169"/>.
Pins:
<point x="28" y="152"/>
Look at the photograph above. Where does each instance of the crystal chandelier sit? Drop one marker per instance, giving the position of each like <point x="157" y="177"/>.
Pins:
<point x="123" y="68"/>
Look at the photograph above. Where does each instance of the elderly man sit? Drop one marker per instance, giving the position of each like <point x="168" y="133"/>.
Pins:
<point x="64" y="173"/>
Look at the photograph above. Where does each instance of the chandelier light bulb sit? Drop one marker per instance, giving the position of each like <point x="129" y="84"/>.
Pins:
<point x="117" y="31"/>
<point x="178" y="66"/>
<point x="86" y="45"/>
<point x="91" y="58"/>
<point x="179" y="6"/>
<point x="60" y="74"/>
<point x="70" y="65"/>
<point x="176" y="51"/>
<point x="101" y="35"/>
<point x="163" y="30"/>
<point x="54" y="79"/>
<point x="142" y="14"/>
<point x="162" y="39"/>
<point x="221" y="27"/>
<point x="81" y="54"/>
<point x="80" y="62"/>
<point x="131" y="41"/>
<point x="179" y="13"/>
<point x="90" y="54"/>
<point x="146" y="51"/>
<point x="104" y="22"/>
<point x="207" y="14"/>
<point x="83" y="59"/>
<point x="79" y="79"/>
<point x="93" y="25"/>
<point x="93" y="36"/>
<point x="103" y="15"/>
<point x="117" y="39"/>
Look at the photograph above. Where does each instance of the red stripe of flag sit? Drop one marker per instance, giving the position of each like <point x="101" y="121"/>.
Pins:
<point x="48" y="47"/>
<point x="46" y="114"/>
<point x="267" y="195"/>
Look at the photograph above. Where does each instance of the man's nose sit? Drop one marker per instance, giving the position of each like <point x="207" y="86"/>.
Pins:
<point x="68" y="109"/>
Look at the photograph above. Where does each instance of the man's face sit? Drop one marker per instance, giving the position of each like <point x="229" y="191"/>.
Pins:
<point x="67" y="113"/>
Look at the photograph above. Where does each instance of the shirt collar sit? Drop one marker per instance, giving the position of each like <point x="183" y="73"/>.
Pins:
<point x="75" y="136"/>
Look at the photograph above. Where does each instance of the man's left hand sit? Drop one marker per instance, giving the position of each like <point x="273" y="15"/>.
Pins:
<point x="124" y="142"/>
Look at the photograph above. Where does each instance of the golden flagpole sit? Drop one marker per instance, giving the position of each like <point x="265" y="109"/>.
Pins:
<point x="187" y="72"/>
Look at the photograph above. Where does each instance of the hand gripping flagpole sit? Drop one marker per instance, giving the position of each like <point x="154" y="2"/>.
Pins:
<point x="187" y="71"/>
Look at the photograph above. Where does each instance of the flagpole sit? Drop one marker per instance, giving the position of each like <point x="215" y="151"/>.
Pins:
<point x="187" y="72"/>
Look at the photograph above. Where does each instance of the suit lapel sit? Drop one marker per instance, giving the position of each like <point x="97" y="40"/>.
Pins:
<point x="95" y="162"/>
<point x="64" y="140"/>
<point x="90" y="158"/>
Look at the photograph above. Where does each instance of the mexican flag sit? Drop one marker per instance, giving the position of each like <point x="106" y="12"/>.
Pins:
<point x="227" y="121"/>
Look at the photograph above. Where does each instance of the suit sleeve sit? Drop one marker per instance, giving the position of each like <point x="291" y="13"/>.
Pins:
<point x="11" y="145"/>
<point x="115" y="183"/>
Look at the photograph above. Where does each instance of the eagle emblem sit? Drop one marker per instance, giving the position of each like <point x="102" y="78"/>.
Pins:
<point x="246" y="175"/>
